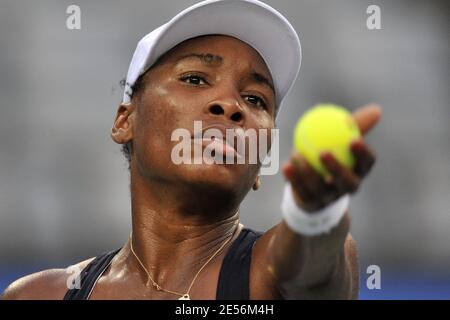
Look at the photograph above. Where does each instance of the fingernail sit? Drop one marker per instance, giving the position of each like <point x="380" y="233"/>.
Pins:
<point x="297" y="161"/>
<point x="356" y="143"/>
<point x="328" y="179"/>
<point x="326" y="156"/>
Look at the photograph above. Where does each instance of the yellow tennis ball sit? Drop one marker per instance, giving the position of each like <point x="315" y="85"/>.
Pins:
<point x="326" y="127"/>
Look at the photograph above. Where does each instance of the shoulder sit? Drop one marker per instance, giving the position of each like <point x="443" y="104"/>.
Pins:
<point x="49" y="284"/>
<point x="262" y="283"/>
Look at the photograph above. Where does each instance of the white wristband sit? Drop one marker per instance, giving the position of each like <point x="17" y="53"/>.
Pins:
<point x="312" y="223"/>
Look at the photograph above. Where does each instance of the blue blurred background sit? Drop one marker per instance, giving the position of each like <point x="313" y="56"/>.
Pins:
<point x="64" y="184"/>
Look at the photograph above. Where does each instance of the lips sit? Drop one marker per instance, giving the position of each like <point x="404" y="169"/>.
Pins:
<point x="219" y="143"/>
<point x="219" y="146"/>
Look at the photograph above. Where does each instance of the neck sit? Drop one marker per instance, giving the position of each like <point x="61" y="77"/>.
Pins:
<point x="168" y="237"/>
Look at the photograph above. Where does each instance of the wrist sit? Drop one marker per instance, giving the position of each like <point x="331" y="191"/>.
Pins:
<point x="312" y="223"/>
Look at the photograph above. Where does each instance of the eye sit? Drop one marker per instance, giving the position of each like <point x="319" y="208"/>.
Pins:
<point x="257" y="101"/>
<point x="193" y="79"/>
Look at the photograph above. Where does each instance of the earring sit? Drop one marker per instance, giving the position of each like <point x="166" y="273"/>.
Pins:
<point x="257" y="183"/>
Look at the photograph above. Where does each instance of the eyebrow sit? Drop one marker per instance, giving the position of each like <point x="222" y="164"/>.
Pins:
<point x="215" y="60"/>
<point x="258" y="77"/>
<point x="205" y="58"/>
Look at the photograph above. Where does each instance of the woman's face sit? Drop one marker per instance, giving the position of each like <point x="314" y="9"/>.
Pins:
<point x="216" y="79"/>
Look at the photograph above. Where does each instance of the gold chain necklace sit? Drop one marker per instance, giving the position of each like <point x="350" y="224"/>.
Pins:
<point x="183" y="296"/>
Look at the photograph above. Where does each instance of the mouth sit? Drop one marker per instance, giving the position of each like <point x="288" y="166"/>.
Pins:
<point x="221" y="142"/>
<point x="219" y="147"/>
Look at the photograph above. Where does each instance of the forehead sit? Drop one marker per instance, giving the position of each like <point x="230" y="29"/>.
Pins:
<point x="231" y="49"/>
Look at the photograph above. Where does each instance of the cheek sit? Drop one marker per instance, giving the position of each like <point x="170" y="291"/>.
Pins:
<point x="152" y="127"/>
<point x="170" y="104"/>
<point x="266" y="124"/>
<point x="162" y="109"/>
<point x="159" y="110"/>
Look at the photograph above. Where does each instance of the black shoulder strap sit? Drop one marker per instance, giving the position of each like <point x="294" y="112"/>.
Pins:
<point x="234" y="277"/>
<point x="90" y="275"/>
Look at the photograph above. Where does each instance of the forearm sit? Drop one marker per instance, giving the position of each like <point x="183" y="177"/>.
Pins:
<point x="314" y="261"/>
<point x="321" y="267"/>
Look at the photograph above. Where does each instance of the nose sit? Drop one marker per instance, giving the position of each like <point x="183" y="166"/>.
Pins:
<point x="228" y="108"/>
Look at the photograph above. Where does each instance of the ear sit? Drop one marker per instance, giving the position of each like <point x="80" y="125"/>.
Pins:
<point x="257" y="183"/>
<point x="122" y="130"/>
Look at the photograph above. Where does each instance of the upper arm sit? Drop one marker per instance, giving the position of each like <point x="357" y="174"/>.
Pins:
<point x="345" y="285"/>
<point x="352" y="260"/>
<point x="263" y="285"/>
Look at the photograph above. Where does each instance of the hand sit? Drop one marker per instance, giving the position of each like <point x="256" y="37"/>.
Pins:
<point x="312" y="191"/>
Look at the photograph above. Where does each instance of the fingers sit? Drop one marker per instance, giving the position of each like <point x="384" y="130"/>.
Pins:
<point x="365" y="158"/>
<point x="344" y="179"/>
<point x="367" y="117"/>
<point x="310" y="187"/>
<point x="315" y="183"/>
<point x="313" y="191"/>
<point x="300" y="193"/>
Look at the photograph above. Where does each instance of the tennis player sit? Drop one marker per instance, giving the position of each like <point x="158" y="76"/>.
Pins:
<point x="228" y="64"/>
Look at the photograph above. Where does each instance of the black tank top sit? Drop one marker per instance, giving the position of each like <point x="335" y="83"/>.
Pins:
<point x="234" y="277"/>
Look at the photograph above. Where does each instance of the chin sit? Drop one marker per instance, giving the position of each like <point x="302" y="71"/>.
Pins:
<point x="224" y="177"/>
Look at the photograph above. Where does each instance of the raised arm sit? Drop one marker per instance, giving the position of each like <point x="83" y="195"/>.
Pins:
<point x="323" y="266"/>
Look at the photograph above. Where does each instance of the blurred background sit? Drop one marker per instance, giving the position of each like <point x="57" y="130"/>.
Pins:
<point x="64" y="184"/>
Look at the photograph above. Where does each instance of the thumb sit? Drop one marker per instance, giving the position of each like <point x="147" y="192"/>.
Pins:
<point x="367" y="117"/>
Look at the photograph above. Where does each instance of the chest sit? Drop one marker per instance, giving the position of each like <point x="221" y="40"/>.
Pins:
<point x="214" y="281"/>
